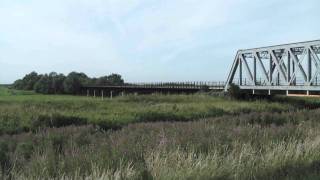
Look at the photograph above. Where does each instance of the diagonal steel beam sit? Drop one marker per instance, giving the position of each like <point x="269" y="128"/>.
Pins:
<point x="298" y="63"/>
<point x="262" y="66"/>
<point x="281" y="62"/>
<point x="233" y="71"/>
<point x="244" y="61"/>
<point x="316" y="61"/>
<point x="278" y="66"/>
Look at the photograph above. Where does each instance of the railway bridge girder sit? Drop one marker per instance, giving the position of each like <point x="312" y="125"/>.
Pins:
<point x="287" y="67"/>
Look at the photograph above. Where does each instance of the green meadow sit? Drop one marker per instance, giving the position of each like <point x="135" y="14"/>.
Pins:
<point x="200" y="136"/>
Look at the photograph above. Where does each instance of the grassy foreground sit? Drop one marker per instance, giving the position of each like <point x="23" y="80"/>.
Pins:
<point x="162" y="137"/>
<point x="24" y="113"/>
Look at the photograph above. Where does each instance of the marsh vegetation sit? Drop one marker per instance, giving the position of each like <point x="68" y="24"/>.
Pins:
<point x="158" y="137"/>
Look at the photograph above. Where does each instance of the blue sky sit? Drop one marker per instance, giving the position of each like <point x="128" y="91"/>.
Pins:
<point x="145" y="40"/>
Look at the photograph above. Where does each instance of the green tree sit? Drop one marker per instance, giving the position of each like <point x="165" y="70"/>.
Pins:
<point x="30" y="80"/>
<point x="18" y="84"/>
<point x="56" y="83"/>
<point x="113" y="79"/>
<point x="74" y="81"/>
<point x="43" y="85"/>
<point x="27" y="82"/>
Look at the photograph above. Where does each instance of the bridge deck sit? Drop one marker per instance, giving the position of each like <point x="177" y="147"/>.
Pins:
<point x="155" y="88"/>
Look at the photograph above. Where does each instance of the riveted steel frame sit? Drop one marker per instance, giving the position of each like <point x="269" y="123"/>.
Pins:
<point x="284" y="61"/>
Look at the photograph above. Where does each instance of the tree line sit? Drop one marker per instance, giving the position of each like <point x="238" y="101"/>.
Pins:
<point x="54" y="83"/>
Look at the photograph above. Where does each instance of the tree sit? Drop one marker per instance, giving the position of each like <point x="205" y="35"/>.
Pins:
<point x="30" y="80"/>
<point x="113" y="79"/>
<point x="56" y="83"/>
<point x="18" y="84"/>
<point x="27" y="82"/>
<point x="74" y="81"/>
<point x="102" y="81"/>
<point x="43" y="85"/>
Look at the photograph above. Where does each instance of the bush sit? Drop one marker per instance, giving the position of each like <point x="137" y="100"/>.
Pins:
<point x="234" y="91"/>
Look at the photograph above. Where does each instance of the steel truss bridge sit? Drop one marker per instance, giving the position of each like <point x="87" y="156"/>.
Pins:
<point x="278" y="69"/>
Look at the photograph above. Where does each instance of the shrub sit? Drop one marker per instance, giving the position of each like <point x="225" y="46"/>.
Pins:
<point x="234" y="91"/>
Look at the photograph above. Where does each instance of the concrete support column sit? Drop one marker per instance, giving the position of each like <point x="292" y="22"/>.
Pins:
<point x="102" y="95"/>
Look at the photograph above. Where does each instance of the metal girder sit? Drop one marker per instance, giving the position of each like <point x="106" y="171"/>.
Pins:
<point x="284" y="64"/>
<point x="233" y="68"/>
<point x="316" y="61"/>
<point x="244" y="61"/>
<point x="264" y="72"/>
<point x="278" y="65"/>
<point x="298" y="63"/>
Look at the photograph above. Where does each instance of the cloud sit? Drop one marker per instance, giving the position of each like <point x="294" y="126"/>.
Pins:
<point x="170" y="23"/>
<point x="141" y="38"/>
<point x="45" y="36"/>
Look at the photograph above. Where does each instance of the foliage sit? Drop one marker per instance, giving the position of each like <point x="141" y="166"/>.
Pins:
<point x="113" y="79"/>
<point x="234" y="91"/>
<point x="28" y="82"/>
<point x="54" y="83"/>
<point x="74" y="81"/>
<point x="43" y="85"/>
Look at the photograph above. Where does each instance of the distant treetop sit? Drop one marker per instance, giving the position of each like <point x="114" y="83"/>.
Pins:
<point x="54" y="83"/>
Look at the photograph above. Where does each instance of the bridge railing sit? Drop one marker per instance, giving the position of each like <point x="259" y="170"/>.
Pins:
<point x="179" y="85"/>
<point x="172" y="85"/>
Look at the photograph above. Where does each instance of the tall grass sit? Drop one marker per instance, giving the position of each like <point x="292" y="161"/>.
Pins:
<point x="158" y="137"/>
<point x="226" y="147"/>
<point x="23" y="113"/>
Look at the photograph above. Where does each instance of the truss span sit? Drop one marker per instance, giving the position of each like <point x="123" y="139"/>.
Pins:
<point x="287" y="67"/>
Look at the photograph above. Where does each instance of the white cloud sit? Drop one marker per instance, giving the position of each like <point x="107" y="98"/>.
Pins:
<point x="42" y="35"/>
<point x="129" y="36"/>
<point x="168" y="23"/>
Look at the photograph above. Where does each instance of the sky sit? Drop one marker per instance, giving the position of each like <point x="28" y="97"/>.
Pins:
<point x="145" y="40"/>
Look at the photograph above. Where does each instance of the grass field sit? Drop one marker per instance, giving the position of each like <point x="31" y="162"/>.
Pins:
<point x="158" y="137"/>
<point x="23" y="113"/>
